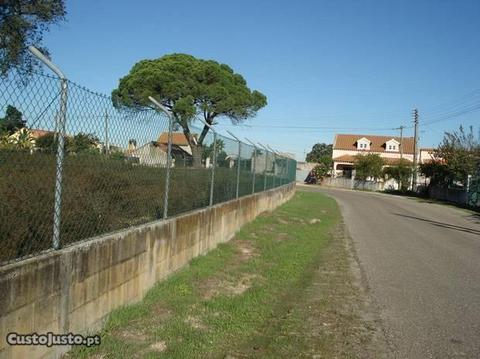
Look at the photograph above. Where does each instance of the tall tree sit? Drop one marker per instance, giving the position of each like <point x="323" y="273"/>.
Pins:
<point x="189" y="87"/>
<point x="437" y="171"/>
<point x="22" y="23"/>
<point x="319" y="152"/>
<point x="460" y="153"/>
<point x="12" y="121"/>
<point x="368" y="166"/>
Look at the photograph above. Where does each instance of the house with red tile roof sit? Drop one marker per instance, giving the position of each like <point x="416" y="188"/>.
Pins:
<point x="346" y="147"/>
<point x="178" y="139"/>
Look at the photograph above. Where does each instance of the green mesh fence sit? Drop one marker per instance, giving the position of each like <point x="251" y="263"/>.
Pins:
<point x="114" y="167"/>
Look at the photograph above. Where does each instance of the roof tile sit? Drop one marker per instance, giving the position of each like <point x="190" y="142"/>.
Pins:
<point x="377" y="143"/>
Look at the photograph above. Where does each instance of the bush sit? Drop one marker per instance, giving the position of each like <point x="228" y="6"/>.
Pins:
<point x="368" y="167"/>
<point x="400" y="173"/>
<point x="100" y="194"/>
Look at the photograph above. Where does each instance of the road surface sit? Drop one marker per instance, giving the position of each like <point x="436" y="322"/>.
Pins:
<point x="422" y="264"/>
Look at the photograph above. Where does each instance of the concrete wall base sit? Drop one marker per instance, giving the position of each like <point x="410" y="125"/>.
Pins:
<point x="75" y="288"/>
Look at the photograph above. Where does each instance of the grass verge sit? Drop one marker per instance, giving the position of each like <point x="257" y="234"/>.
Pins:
<point x="249" y="297"/>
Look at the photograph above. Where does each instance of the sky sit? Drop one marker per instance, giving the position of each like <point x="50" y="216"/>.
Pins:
<point x="326" y="67"/>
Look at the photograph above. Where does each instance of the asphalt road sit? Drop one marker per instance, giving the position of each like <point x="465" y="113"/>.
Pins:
<point x="422" y="264"/>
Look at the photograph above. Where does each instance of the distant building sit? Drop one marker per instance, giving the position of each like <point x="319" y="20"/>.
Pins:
<point x="178" y="139"/>
<point x="426" y="155"/>
<point x="150" y="154"/>
<point x="347" y="147"/>
<point x="181" y="150"/>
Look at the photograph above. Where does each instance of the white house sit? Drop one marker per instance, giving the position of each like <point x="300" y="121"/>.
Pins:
<point x="149" y="154"/>
<point x="346" y="147"/>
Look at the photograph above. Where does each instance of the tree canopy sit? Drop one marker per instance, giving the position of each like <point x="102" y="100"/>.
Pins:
<point x="460" y="151"/>
<point x="80" y="143"/>
<point x="12" y="121"/>
<point x="22" y="23"/>
<point x="457" y="156"/>
<point x="368" y="166"/>
<point x="319" y="152"/>
<point x="189" y="87"/>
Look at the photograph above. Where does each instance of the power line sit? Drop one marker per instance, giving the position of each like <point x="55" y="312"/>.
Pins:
<point x="452" y="115"/>
<point x="316" y="127"/>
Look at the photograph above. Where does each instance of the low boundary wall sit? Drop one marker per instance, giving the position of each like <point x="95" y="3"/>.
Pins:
<point x="341" y="182"/>
<point x="459" y="196"/>
<point x="73" y="290"/>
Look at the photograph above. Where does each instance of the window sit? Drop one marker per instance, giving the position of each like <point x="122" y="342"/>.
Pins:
<point x="363" y="144"/>
<point x="392" y="145"/>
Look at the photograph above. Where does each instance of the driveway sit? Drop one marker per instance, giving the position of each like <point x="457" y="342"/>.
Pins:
<point x="422" y="264"/>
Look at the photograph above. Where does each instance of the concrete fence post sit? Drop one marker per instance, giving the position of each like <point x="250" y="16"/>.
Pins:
<point x="106" y="151"/>
<point x="265" y="169"/>
<point x="254" y="164"/>
<point x="287" y="174"/>
<point x="274" y="168"/>
<point x="254" y="168"/>
<point x="239" y="160"/>
<point x="214" y="164"/>
<point x="169" y="154"/>
<point x="265" y="172"/>
<point x="169" y="165"/>
<point x="239" y="164"/>
<point x="60" y="151"/>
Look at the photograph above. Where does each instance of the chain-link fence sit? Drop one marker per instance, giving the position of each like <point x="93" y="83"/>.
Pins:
<point x="72" y="166"/>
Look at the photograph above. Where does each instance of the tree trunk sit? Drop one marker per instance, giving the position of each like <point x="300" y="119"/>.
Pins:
<point x="197" y="155"/>
<point x="195" y="146"/>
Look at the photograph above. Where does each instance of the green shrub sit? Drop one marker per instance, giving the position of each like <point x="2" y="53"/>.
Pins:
<point x="100" y="194"/>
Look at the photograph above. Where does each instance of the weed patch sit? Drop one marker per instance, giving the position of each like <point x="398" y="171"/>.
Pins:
<point x="251" y="297"/>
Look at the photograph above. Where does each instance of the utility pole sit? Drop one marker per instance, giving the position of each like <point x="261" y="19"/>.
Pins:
<point x="415" y="149"/>
<point x="401" y="141"/>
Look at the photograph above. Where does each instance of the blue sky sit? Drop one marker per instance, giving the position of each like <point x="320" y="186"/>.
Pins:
<point x="346" y="66"/>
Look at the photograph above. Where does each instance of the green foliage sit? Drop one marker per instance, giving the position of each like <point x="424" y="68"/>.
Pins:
<point x="229" y="321"/>
<point x="437" y="172"/>
<point x="400" y="173"/>
<point x="84" y="142"/>
<point x="319" y="153"/>
<point x="324" y="167"/>
<point x="368" y="166"/>
<point x="12" y="121"/>
<point x="48" y="142"/>
<point x="22" y="23"/>
<point x="100" y="194"/>
<point x="80" y="143"/>
<point x="208" y="150"/>
<point x="222" y="160"/>
<point x="188" y="87"/>
<point x="117" y="155"/>
<point x="321" y="171"/>
<point x="460" y="153"/>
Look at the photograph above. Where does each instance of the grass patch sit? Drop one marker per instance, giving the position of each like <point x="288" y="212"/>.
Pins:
<point x="235" y="300"/>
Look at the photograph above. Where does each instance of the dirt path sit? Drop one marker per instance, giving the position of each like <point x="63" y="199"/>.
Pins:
<point x="332" y="316"/>
<point x="284" y="287"/>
